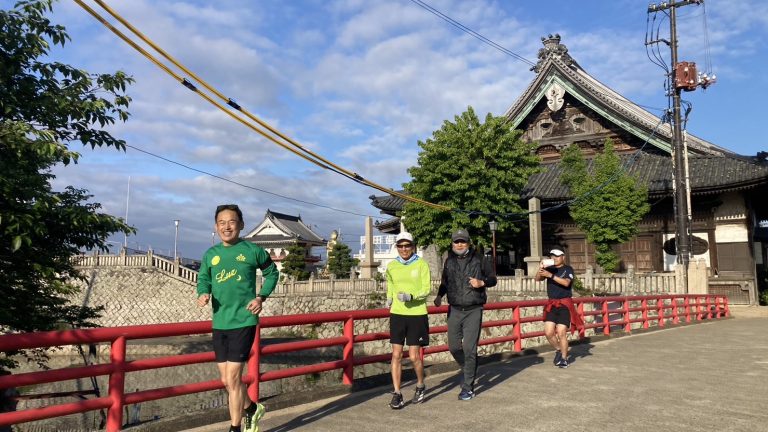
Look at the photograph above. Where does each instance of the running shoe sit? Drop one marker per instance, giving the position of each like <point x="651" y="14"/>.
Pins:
<point x="397" y="401"/>
<point x="252" y="415"/>
<point x="418" y="395"/>
<point x="466" y="395"/>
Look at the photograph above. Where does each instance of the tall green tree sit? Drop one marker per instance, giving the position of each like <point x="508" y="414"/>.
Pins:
<point x="46" y="107"/>
<point x="340" y="261"/>
<point x="474" y="167"/>
<point x="609" y="203"/>
<point x="294" y="264"/>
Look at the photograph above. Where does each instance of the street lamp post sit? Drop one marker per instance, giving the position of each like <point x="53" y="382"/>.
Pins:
<point x="176" y="240"/>
<point x="493" y="225"/>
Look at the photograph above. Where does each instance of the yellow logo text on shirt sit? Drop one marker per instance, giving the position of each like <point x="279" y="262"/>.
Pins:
<point x="224" y="275"/>
<point x="215" y="260"/>
<point x="240" y="258"/>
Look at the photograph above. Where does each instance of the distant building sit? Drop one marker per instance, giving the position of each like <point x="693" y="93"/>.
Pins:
<point x="384" y="250"/>
<point x="278" y="232"/>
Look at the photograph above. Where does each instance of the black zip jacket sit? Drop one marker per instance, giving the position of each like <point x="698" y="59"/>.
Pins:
<point x="456" y="273"/>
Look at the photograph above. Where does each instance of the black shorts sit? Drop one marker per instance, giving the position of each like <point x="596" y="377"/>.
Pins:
<point x="413" y="329"/>
<point x="233" y="345"/>
<point x="559" y="315"/>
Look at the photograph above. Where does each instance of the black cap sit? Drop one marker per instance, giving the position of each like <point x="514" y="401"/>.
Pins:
<point x="460" y="234"/>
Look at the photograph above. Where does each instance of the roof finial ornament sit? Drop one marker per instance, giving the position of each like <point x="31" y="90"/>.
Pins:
<point x="554" y="49"/>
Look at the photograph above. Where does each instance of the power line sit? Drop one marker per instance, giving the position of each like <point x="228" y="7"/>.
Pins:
<point x="495" y="45"/>
<point x="242" y="184"/>
<point x="301" y="152"/>
<point x="284" y="141"/>
<point x="471" y="32"/>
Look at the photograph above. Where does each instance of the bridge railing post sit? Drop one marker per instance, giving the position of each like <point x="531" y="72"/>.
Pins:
<point x="687" y="305"/>
<point x="675" y="312"/>
<point x="625" y="311"/>
<point x="517" y="329"/>
<point x="116" y="385"/>
<point x="644" y="304"/>
<point x="606" y="317"/>
<point x="349" y="351"/>
<point x="660" y="311"/>
<point x="254" y="367"/>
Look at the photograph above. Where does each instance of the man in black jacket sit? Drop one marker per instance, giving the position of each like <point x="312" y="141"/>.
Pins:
<point x="466" y="275"/>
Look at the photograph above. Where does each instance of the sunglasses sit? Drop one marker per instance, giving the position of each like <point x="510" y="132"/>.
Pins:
<point x="459" y="242"/>
<point x="404" y="246"/>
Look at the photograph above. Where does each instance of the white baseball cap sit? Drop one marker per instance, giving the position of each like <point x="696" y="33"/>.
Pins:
<point x="556" y="252"/>
<point x="404" y="236"/>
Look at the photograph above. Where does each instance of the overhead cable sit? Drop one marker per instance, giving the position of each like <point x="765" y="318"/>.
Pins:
<point x="294" y="147"/>
<point x="228" y="180"/>
<point x="471" y="32"/>
<point x="302" y="152"/>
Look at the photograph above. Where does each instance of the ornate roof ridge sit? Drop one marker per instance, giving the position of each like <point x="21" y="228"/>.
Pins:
<point x="554" y="60"/>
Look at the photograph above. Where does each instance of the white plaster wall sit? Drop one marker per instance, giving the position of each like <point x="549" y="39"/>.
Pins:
<point x="670" y="261"/>
<point x="731" y="233"/>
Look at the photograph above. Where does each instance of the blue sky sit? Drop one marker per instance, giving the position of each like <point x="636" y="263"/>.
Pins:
<point x="361" y="82"/>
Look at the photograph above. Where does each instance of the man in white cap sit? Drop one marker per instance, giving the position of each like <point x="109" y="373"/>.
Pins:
<point x="408" y="285"/>
<point x="559" y="313"/>
<point x="466" y="275"/>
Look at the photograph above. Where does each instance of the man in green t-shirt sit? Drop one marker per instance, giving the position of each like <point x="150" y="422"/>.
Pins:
<point x="227" y="279"/>
<point x="408" y="285"/>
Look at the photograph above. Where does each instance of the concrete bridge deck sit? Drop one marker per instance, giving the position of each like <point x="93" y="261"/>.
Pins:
<point x="711" y="376"/>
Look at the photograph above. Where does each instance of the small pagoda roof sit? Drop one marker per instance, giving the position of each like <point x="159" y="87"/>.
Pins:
<point x="388" y="204"/>
<point x="283" y="228"/>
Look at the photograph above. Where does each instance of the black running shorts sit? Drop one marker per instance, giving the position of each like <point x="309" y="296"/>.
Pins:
<point x="412" y="329"/>
<point x="559" y="315"/>
<point x="233" y="345"/>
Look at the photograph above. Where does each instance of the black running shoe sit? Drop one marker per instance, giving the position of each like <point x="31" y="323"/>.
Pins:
<point x="397" y="401"/>
<point x="418" y="395"/>
<point x="558" y="357"/>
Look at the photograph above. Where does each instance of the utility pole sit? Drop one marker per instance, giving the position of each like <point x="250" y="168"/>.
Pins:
<point x="683" y="77"/>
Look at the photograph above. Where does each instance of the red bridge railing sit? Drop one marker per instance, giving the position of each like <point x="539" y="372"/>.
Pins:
<point x="605" y="313"/>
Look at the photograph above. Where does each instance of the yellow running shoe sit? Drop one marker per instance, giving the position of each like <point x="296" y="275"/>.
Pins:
<point x="252" y="417"/>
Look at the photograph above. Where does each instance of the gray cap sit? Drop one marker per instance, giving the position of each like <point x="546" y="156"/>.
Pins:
<point x="460" y="234"/>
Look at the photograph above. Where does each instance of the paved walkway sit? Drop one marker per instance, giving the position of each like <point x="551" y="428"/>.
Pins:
<point x="711" y="376"/>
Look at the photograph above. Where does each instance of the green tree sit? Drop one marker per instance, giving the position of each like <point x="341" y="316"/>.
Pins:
<point x="472" y="166"/>
<point x="294" y="264"/>
<point x="609" y="203"/>
<point x="44" y="108"/>
<point x="340" y="261"/>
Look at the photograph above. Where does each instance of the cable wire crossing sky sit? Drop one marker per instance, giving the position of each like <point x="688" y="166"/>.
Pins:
<point x="360" y="83"/>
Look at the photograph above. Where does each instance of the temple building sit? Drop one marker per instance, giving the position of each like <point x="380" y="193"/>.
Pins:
<point x="564" y="105"/>
<point x="278" y="232"/>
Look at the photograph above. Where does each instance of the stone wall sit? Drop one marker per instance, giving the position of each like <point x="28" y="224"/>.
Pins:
<point x="139" y="295"/>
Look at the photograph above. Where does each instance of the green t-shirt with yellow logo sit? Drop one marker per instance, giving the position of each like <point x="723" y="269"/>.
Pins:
<point x="228" y="273"/>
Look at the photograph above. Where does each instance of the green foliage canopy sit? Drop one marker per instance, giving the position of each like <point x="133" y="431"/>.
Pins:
<point x="294" y="264"/>
<point x="472" y="166"/>
<point x="609" y="203"/>
<point x="340" y="261"/>
<point x="44" y="108"/>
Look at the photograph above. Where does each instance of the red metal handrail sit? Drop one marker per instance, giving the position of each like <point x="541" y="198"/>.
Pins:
<point x="693" y="307"/>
